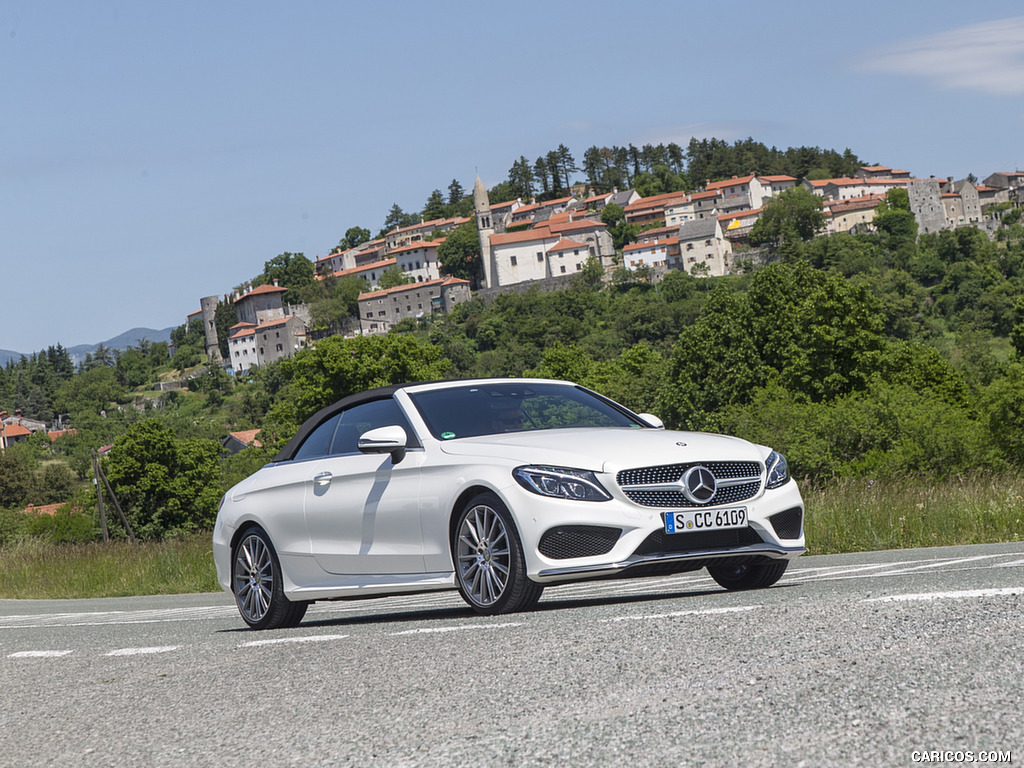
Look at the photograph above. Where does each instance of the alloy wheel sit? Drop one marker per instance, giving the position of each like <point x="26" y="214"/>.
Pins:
<point x="484" y="555"/>
<point x="254" y="578"/>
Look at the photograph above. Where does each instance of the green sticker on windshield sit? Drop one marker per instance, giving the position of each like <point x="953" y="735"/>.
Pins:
<point x="447" y="435"/>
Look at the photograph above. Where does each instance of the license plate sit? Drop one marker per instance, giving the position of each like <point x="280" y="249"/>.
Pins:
<point x="705" y="520"/>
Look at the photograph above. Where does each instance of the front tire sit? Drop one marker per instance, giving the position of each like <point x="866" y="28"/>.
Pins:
<point x="748" y="575"/>
<point x="257" y="586"/>
<point x="489" y="564"/>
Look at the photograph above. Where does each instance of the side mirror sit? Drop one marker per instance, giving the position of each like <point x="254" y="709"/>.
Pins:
<point x="391" y="440"/>
<point x="652" y="420"/>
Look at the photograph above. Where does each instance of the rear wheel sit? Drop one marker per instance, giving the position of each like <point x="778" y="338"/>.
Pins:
<point x="748" y="575"/>
<point x="256" y="582"/>
<point x="489" y="563"/>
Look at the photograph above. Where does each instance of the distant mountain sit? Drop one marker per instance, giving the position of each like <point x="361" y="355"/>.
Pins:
<point x="123" y="341"/>
<point x="6" y="354"/>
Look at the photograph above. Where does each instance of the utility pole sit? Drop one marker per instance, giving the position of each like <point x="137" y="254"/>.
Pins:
<point x="106" y="484"/>
<point x="99" y="496"/>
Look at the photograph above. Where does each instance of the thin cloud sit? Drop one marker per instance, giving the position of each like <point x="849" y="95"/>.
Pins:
<point x="985" y="57"/>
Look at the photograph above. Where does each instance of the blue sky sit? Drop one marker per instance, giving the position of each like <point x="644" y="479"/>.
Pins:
<point x="154" y="153"/>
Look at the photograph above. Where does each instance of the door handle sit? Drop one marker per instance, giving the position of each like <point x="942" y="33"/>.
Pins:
<point x="324" y="478"/>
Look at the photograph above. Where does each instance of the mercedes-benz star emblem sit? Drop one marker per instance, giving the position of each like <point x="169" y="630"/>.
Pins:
<point x="699" y="485"/>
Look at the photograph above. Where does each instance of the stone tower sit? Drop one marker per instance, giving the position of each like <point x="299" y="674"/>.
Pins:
<point x="484" y="228"/>
<point x="209" y="307"/>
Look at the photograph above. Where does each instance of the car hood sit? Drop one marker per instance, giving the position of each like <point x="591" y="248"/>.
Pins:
<point x="607" y="450"/>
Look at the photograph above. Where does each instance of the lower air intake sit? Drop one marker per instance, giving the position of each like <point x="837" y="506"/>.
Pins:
<point x="569" y="541"/>
<point x="787" y="524"/>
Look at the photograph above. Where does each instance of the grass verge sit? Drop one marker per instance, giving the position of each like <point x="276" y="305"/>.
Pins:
<point x="864" y="515"/>
<point x="845" y="516"/>
<point x="31" y="568"/>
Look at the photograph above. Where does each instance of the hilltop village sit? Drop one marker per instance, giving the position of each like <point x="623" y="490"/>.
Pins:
<point x="526" y="243"/>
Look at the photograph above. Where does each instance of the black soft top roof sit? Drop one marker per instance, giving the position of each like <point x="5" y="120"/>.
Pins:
<point x="380" y="393"/>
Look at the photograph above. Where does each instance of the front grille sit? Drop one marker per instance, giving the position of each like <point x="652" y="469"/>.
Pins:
<point x="659" y="542"/>
<point x="568" y="541"/>
<point x="632" y="482"/>
<point x="787" y="524"/>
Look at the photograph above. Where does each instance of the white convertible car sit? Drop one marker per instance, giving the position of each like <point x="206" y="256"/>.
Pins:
<point x="497" y="487"/>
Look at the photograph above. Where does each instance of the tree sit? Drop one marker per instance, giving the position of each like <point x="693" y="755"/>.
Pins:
<point x="164" y="484"/>
<point x="792" y="216"/>
<point x="225" y="317"/>
<point x="290" y="270"/>
<point x="393" y="277"/>
<point x="553" y="163"/>
<point x="1017" y="334"/>
<point x="434" y="207"/>
<point x="455" y="192"/>
<point x="354" y="236"/>
<point x="459" y="254"/>
<point x="566" y="164"/>
<point x="89" y="392"/>
<point x="397" y="218"/>
<point x="541" y="175"/>
<point x="15" y="476"/>
<point x="338" y="367"/>
<point x="621" y="231"/>
<point x="520" y="178"/>
<point x="340" y="303"/>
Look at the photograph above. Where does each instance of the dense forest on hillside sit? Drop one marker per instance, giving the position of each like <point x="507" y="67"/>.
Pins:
<point x="858" y="356"/>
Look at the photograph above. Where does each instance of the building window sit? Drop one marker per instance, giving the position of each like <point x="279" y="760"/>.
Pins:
<point x="513" y="261"/>
<point x="540" y="256"/>
<point x="563" y="269"/>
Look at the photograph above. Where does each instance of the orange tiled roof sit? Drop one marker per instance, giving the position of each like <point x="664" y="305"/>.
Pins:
<point x="651" y="245"/>
<point x="654" y="201"/>
<point x="248" y="437"/>
<point x="565" y="244"/>
<point x="366" y="268"/>
<point x="416" y="245"/>
<point x="729" y="182"/>
<point x="449" y="280"/>
<point x="16" y="430"/>
<point x="740" y="214"/>
<point x="526" y="236"/>
<point x="260" y="291"/>
<point x="242" y="329"/>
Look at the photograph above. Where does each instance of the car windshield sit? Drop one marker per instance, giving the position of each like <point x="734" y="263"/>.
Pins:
<point x="488" y="409"/>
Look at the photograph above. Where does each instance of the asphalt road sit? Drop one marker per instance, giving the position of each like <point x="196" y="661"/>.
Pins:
<point x="851" y="660"/>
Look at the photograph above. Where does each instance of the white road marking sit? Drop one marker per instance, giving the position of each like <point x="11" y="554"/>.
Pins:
<point x="279" y="641"/>
<point x="884" y="570"/>
<point x="966" y="593"/>
<point x="103" y="618"/>
<point x="143" y="651"/>
<point x="37" y="654"/>
<point x="432" y="630"/>
<point x="696" y="612"/>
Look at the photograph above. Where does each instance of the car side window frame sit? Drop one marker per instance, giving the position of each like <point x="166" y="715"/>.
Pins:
<point x="397" y="418"/>
<point x="323" y="433"/>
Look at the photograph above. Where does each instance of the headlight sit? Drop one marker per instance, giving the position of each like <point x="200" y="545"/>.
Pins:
<point x="778" y="470"/>
<point x="561" y="483"/>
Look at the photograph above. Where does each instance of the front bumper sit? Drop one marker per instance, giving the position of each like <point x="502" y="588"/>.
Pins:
<point x="626" y="537"/>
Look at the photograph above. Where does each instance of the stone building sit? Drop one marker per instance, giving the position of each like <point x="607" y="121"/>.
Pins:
<point x="380" y="310"/>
